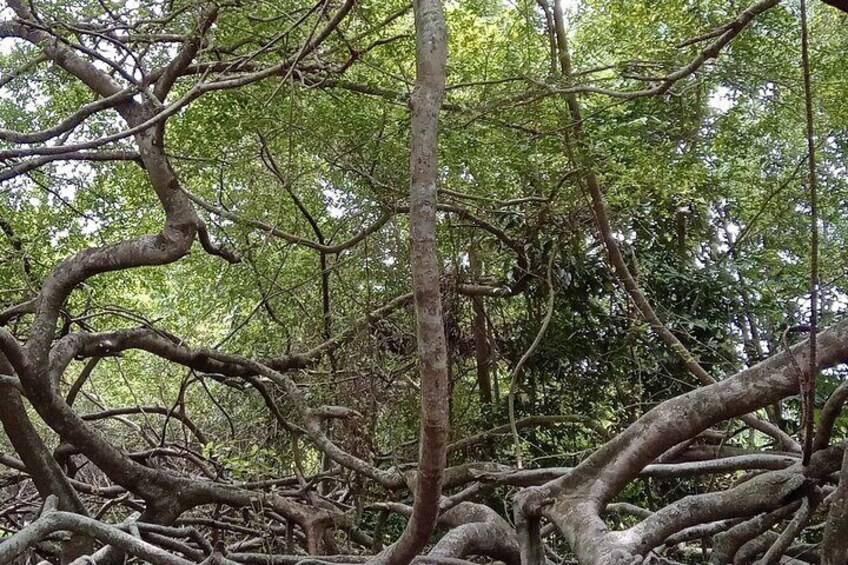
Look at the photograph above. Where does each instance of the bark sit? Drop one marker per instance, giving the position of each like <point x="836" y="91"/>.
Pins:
<point x="535" y="477"/>
<point x="47" y="475"/>
<point x="55" y="521"/>
<point x="728" y="543"/>
<point x="80" y="381"/>
<point x="477" y="530"/>
<point x="701" y="531"/>
<point x="830" y="412"/>
<point x="431" y="60"/>
<point x="482" y="352"/>
<point x="834" y="548"/>
<point x="760" y="494"/>
<point x="581" y="155"/>
<point x="798" y="523"/>
<point x="40" y="363"/>
<point x="40" y="464"/>
<point x="574" y="501"/>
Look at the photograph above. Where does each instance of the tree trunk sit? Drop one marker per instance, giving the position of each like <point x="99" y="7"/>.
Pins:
<point x="834" y="549"/>
<point x="431" y="60"/>
<point x="482" y="353"/>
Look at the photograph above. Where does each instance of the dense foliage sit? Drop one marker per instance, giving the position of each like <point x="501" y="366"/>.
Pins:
<point x="201" y="385"/>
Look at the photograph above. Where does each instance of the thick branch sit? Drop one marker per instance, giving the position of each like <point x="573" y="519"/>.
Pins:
<point x="834" y="548"/>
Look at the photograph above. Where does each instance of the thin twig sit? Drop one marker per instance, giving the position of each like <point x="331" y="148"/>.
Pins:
<point x="516" y="372"/>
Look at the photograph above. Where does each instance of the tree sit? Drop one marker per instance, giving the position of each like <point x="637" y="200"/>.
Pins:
<point x="598" y="331"/>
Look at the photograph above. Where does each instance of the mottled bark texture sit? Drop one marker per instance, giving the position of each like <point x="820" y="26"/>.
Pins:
<point x="740" y="519"/>
<point x="431" y="60"/>
<point x="834" y="548"/>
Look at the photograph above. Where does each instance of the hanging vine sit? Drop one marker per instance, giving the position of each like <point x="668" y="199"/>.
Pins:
<point x="808" y="379"/>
